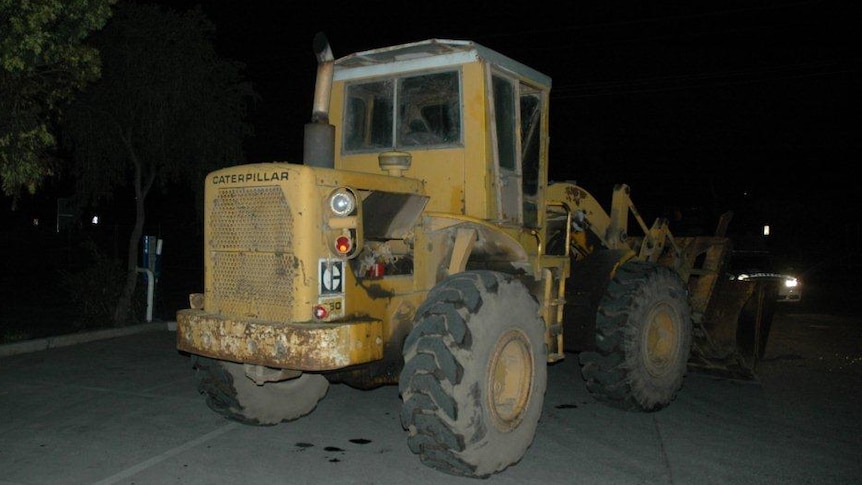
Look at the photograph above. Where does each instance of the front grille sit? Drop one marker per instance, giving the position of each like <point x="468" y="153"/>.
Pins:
<point x="251" y="260"/>
<point x="251" y="219"/>
<point x="253" y="285"/>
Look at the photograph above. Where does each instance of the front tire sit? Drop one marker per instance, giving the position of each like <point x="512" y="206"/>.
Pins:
<point x="643" y="339"/>
<point x="233" y="395"/>
<point x="474" y="376"/>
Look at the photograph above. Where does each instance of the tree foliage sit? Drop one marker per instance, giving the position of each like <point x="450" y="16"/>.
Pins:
<point x="44" y="62"/>
<point x="167" y="110"/>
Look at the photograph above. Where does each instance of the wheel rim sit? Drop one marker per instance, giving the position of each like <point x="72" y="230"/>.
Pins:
<point x="510" y="379"/>
<point x="661" y="340"/>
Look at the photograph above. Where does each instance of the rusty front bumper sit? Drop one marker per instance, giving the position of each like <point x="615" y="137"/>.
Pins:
<point x="302" y="346"/>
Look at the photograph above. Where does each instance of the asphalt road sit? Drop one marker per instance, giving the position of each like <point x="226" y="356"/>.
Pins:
<point x="125" y="410"/>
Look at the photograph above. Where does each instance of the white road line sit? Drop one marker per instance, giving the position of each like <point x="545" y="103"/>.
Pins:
<point x="128" y="472"/>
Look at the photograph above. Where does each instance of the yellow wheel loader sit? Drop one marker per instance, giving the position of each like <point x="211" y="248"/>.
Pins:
<point x="420" y="243"/>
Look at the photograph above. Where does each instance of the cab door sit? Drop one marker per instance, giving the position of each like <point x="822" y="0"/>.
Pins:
<point x="517" y="112"/>
<point x="507" y="163"/>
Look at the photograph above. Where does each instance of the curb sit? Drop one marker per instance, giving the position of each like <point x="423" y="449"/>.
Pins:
<point x="40" y="344"/>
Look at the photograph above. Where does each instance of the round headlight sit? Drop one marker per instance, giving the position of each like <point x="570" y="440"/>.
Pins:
<point x="342" y="203"/>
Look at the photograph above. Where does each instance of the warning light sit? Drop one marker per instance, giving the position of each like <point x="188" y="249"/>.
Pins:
<point x="343" y="244"/>
<point x="320" y="312"/>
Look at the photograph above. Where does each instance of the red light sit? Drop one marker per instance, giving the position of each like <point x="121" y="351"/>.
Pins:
<point x="343" y="244"/>
<point x="320" y="312"/>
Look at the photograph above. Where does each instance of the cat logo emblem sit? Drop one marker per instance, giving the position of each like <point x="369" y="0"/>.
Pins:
<point x="331" y="275"/>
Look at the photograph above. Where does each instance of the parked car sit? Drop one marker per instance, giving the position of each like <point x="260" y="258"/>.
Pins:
<point x="758" y="265"/>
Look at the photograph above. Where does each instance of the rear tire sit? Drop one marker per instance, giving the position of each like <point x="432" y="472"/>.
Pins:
<point x="233" y="395"/>
<point x="643" y="339"/>
<point x="474" y="376"/>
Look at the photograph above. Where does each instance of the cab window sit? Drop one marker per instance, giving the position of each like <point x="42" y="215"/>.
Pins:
<point x="421" y="111"/>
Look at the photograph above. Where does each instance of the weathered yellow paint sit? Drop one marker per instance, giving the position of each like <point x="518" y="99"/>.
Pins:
<point x="464" y="240"/>
<point x="479" y="199"/>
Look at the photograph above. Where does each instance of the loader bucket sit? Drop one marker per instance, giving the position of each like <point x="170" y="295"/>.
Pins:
<point x="731" y="338"/>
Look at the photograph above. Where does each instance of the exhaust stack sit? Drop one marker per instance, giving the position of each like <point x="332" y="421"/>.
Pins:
<point x="319" y="141"/>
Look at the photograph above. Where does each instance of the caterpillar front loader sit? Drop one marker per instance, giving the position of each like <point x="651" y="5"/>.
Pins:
<point x="420" y="243"/>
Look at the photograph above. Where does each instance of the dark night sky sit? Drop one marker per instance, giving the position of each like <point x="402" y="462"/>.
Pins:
<point x="731" y="93"/>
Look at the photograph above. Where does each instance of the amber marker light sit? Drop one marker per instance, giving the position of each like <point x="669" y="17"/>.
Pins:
<point x="343" y="244"/>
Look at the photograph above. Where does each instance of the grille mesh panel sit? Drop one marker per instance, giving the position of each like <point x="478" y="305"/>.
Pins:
<point x="251" y="219"/>
<point x="251" y="259"/>
<point x="253" y="285"/>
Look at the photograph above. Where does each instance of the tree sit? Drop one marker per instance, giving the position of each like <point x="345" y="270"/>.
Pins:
<point x="166" y="110"/>
<point x="43" y="63"/>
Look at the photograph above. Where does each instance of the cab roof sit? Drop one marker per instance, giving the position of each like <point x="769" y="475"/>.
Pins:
<point x="428" y="54"/>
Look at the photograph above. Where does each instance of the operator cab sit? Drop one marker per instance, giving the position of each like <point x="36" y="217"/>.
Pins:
<point x="484" y="157"/>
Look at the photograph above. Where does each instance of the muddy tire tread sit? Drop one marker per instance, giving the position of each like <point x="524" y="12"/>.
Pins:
<point x="432" y="380"/>
<point x="609" y="370"/>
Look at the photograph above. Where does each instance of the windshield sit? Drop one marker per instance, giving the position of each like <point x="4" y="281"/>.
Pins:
<point x="420" y="111"/>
